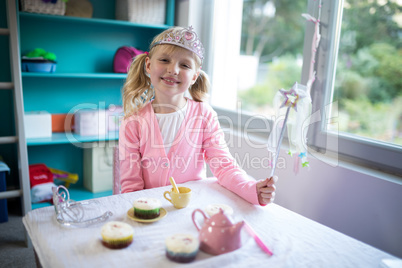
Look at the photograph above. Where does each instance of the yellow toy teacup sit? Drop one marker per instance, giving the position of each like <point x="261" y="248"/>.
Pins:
<point x="179" y="200"/>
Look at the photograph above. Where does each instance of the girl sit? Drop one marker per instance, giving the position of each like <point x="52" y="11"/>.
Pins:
<point x="164" y="134"/>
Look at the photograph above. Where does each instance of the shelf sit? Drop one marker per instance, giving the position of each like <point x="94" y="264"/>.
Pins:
<point x="76" y="194"/>
<point x="105" y="22"/>
<point x="65" y="138"/>
<point x="85" y="49"/>
<point x="75" y="75"/>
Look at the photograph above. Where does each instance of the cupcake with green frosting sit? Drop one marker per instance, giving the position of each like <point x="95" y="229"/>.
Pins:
<point x="147" y="208"/>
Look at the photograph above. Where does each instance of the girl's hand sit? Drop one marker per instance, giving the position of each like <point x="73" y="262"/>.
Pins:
<point x="266" y="190"/>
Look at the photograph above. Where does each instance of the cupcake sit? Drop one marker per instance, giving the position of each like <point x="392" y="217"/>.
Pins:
<point x="181" y="248"/>
<point x="117" y="235"/>
<point x="147" y="208"/>
<point x="214" y="208"/>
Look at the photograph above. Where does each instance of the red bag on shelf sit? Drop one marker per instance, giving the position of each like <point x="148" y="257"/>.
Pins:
<point x="123" y="58"/>
<point x="39" y="174"/>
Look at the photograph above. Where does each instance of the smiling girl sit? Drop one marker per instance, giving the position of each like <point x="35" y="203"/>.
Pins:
<point x="165" y="134"/>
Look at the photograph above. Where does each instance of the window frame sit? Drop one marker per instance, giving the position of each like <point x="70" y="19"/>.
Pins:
<point x="358" y="150"/>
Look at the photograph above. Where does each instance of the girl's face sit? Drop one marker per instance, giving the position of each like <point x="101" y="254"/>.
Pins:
<point x="172" y="72"/>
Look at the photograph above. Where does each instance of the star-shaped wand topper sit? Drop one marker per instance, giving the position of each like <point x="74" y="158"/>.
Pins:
<point x="292" y="96"/>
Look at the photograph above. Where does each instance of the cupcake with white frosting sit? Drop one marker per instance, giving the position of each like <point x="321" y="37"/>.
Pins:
<point x="214" y="208"/>
<point x="116" y="235"/>
<point x="181" y="248"/>
<point x="147" y="208"/>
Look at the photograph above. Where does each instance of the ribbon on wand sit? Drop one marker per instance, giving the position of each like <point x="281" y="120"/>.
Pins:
<point x="298" y="98"/>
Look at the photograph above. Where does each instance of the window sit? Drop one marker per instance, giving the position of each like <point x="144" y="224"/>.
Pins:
<point x="355" y="99"/>
<point x="368" y="83"/>
<point x="357" y="96"/>
<point x="260" y="54"/>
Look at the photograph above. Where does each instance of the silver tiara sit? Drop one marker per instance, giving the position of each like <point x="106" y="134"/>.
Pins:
<point x="185" y="38"/>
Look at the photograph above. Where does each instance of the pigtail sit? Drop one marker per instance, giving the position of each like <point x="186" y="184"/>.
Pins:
<point x="199" y="91"/>
<point x="137" y="88"/>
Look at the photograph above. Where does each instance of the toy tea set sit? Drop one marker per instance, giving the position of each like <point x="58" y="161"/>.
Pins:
<point x="218" y="234"/>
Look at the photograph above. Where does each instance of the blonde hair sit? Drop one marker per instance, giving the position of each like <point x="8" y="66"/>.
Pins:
<point x="137" y="90"/>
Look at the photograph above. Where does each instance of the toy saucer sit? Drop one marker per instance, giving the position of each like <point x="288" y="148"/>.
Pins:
<point x="130" y="214"/>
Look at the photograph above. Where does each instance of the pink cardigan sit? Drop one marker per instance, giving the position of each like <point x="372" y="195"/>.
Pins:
<point x="144" y="163"/>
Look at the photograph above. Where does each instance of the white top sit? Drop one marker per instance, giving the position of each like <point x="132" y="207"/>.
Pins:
<point x="182" y="243"/>
<point x="116" y="230"/>
<point x="169" y="125"/>
<point x="147" y="203"/>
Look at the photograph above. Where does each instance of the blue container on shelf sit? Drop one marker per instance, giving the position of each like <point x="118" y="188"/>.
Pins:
<point x="39" y="66"/>
<point x="3" y="202"/>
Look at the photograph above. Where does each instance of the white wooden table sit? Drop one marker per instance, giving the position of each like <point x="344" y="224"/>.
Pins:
<point x="295" y="240"/>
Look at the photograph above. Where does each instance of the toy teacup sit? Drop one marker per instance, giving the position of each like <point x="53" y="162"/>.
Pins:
<point x="179" y="200"/>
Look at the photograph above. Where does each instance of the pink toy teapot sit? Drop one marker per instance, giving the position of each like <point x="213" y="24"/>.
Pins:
<point x="219" y="234"/>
